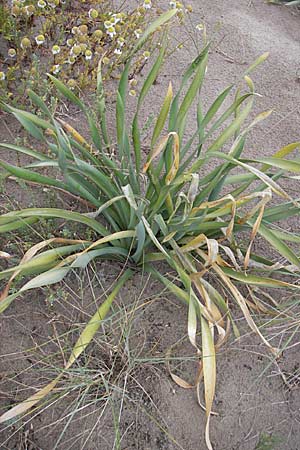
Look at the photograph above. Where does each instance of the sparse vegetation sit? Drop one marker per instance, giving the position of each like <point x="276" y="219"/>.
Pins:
<point x="161" y="206"/>
<point x="67" y="38"/>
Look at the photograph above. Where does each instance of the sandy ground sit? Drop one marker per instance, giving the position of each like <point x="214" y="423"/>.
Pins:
<point x="153" y="413"/>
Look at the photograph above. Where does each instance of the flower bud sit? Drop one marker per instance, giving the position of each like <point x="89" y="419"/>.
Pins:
<point x="12" y="53"/>
<point x="93" y="14"/>
<point x="40" y="39"/>
<point x="25" y="43"/>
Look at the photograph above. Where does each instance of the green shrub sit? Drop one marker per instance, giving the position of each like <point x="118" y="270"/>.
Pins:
<point x="67" y="38"/>
<point x="168" y="207"/>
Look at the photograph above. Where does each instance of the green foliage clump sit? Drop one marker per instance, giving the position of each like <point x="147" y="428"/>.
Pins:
<point x="67" y="38"/>
<point x="167" y="205"/>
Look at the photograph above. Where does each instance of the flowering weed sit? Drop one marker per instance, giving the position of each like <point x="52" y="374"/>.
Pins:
<point x="68" y="38"/>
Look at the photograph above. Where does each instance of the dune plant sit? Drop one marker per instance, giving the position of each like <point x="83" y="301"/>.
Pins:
<point x="67" y="38"/>
<point x="165" y="205"/>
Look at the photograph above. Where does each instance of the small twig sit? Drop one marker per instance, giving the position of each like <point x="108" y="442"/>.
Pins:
<point x="8" y="129"/>
<point x="229" y="58"/>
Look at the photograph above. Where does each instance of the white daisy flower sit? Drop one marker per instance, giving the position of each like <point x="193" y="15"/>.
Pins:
<point x="71" y="60"/>
<point x="55" y="49"/>
<point x="75" y="50"/>
<point x="30" y="9"/>
<point x="25" y="43"/>
<point x="93" y="13"/>
<point x="55" y="69"/>
<point x="12" y="53"/>
<point x="118" y="51"/>
<point x="113" y="21"/>
<point x="111" y="32"/>
<point x="138" y="33"/>
<point x="117" y="18"/>
<point x="88" y="55"/>
<point x="147" y="4"/>
<point x="121" y="42"/>
<point x="41" y="4"/>
<point x="40" y="39"/>
<point x="133" y="82"/>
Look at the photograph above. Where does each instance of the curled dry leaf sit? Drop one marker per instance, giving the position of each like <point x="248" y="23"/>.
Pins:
<point x="5" y="255"/>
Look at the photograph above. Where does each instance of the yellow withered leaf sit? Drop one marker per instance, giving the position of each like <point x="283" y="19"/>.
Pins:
<point x="209" y="372"/>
